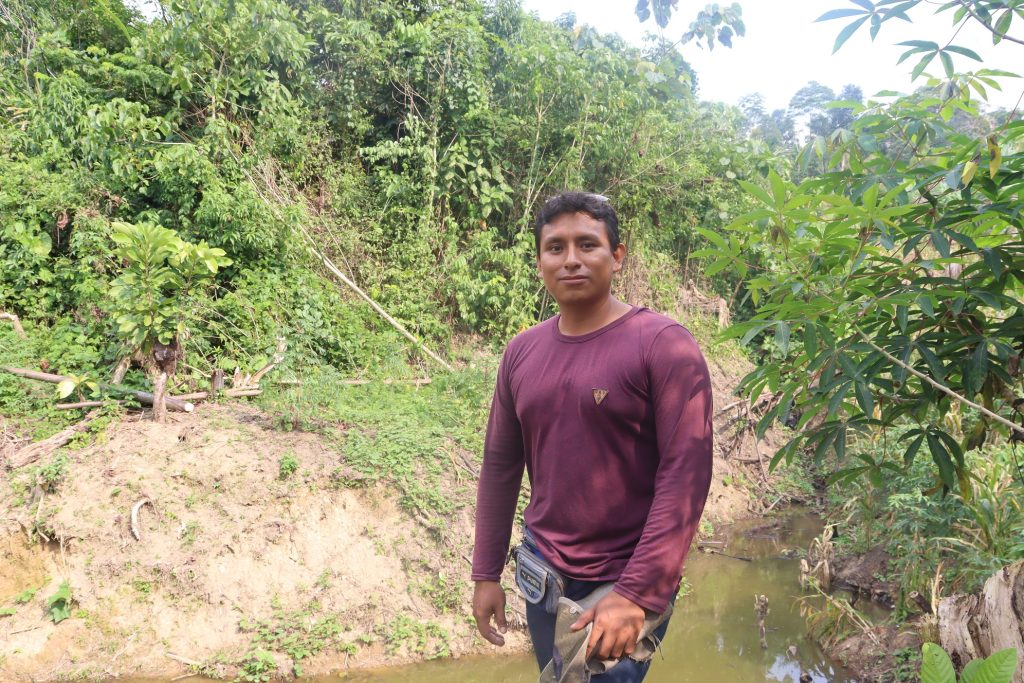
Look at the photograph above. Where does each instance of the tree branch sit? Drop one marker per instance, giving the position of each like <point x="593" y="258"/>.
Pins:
<point x="967" y="6"/>
<point x="941" y="387"/>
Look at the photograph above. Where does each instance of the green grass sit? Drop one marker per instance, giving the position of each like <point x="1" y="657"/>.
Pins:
<point x="397" y="434"/>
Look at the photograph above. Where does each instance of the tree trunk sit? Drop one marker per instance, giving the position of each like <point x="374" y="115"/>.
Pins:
<point x="159" y="378"/>
<point x="973" y="626"/>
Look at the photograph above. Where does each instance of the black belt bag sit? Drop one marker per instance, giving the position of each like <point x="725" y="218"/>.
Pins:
<point x="538" y="581"/>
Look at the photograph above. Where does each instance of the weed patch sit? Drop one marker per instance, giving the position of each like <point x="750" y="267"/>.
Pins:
<point x="298" y="634"/>
<point x="394" y="433"/>
<point x="423" y="638"/>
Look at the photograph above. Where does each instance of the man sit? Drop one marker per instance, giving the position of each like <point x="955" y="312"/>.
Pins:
<point x="608" y="407"/>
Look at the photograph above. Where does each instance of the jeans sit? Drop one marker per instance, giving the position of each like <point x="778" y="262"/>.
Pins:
<point x="542" y="633"/>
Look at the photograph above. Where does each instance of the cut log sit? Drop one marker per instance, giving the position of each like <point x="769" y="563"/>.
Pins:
<point x="973" y="626"/>
<point x="216" y="381"/>
<point x="29" y="454"/>
<point x="143" y="397"/>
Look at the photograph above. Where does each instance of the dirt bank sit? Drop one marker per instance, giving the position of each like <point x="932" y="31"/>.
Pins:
<point x="259" y="550"/>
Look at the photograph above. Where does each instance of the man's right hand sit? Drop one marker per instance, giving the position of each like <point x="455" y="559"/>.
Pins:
<point x="488" y="601"/>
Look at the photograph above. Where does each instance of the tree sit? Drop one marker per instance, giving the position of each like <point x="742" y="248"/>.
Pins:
<point x="150" y="297"/>
<point x="714" y="22"/>
<point x="894" y="281"/>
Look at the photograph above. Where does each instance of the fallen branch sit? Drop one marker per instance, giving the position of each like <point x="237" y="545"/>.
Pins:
<point x="83" y="404"/>
<point x="712" y="551"/>
<point x="373" y="304"/>
<point x="182" y="660"/>
<point x="29" y="454"/>
<point x="231" y="393"/>
<point x="729" y="407"/>
<point x="143" y="397"/>
<point x="16" y="322"/>
<point x="313" y="247"/>
<point x="277" y="360"/>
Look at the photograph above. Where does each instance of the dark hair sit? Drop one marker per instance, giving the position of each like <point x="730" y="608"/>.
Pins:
<point x="594" y="205"/>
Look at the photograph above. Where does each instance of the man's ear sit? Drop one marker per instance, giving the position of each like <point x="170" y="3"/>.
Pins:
<point x="619" y="254"/>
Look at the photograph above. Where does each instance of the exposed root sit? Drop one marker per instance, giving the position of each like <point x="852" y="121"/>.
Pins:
<point x="136" y="528"/>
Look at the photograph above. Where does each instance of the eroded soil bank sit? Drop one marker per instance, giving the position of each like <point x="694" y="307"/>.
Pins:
<point x="242" y="566"/>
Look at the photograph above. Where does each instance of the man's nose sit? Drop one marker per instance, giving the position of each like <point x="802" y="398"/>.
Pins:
<point x="572" y="260"/>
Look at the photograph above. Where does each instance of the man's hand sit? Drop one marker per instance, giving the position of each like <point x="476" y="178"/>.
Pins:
<point x="617" y="623"/>
<point x="488" y="601"/>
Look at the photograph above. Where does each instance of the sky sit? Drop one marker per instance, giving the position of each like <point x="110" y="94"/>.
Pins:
<point x="784" y="49"/>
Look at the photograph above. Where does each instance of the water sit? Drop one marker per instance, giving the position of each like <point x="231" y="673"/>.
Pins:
<point x="713" y="635"/>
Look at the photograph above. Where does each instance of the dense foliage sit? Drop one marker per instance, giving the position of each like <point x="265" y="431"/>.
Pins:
<point x="411" y="143"/>
<point x="891" y="277"/>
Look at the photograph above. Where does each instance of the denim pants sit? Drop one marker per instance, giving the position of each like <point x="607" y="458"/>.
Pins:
<point x="542" y="633"/>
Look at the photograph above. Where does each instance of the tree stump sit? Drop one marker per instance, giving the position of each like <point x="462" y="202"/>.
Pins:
<point x="973" y="626"/>
<point x="761" y="610"/>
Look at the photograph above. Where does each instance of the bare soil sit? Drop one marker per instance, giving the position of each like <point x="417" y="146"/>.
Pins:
<point x="233" y="558"/>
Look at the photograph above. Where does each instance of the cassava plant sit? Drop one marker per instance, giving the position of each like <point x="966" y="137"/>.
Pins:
<point x="150" y="298"/>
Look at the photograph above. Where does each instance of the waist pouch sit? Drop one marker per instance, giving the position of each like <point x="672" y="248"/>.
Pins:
<point x="538" y="581"/>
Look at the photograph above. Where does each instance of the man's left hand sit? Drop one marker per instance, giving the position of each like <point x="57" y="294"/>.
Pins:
<point x="617" y="623"/>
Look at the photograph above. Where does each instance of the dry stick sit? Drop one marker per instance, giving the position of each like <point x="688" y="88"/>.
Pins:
<point x="946" y="390"/>
<point x="352" y="285"/>
<point x="232" y="393"/>
<point x="33" y="452"/>
<point x="277" y="360"/>
<point x="761" y="610"/>
<point x="384" y="314"/>
<point x="712" y="551"/>
<point x="730" y="406"/>
<point x="143" y="397"/>
<point x="16" y="322"/>
<point x="83" y="404"/>
<point x="183" y="660"/>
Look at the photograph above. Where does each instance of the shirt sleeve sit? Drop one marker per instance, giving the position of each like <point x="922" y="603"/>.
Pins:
<point x="680" y="387"/>
<point x="500" y="479"/>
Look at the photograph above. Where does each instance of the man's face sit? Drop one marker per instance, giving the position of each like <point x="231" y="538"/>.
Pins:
<point x="576" y="259"/>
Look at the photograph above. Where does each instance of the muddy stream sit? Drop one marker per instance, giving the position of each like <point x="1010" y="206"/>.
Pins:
<point x="713" y="635"/>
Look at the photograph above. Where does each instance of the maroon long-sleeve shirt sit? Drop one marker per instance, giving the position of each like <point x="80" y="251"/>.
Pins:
<point x="614" y="430"/>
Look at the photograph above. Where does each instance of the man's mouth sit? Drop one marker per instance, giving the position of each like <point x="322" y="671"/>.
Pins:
<point x="574" y="278"/>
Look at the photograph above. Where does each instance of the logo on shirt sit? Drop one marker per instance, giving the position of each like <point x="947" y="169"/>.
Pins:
<point x="599" y="395"/>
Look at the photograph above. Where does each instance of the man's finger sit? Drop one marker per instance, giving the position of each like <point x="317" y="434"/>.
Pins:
<point x="618" y="648"/>
<point x="483" y="625"/>
<point x="499" y="618"/>
<point x="584" y="619"/>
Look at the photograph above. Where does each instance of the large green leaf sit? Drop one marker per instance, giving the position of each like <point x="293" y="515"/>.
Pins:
<point x="935" y="665"/>
<point x="996" y="668"/>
